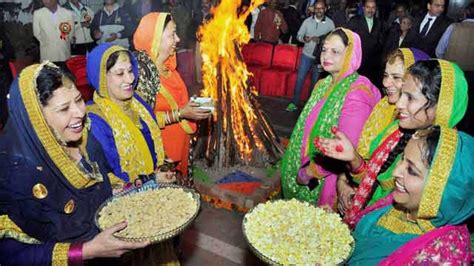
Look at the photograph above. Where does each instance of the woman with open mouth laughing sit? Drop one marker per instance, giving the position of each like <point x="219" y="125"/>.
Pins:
<point x="50" y="187"/>
<point x="423" y="221"/>
<point x="434" y="93"/>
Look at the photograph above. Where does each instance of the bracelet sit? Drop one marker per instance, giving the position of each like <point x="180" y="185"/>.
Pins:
<point x="74" y="255"/>
<point x="359" y="169"/>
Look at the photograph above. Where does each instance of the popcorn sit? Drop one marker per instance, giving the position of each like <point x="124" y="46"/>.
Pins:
<point x="294" y="232"/>
<point x="149" y="213"/>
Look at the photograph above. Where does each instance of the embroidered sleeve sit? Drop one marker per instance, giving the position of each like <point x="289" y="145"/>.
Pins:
<point x="60" y="254"/>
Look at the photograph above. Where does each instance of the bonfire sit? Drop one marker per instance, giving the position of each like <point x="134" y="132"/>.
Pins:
<point x="239" y="133"/>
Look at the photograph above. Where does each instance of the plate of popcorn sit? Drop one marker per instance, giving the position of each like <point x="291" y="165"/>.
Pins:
<point x="152" y="214"/>
<point x="291" y="232"/>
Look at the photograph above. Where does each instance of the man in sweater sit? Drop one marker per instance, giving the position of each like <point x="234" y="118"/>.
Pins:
<point x="112" y="24"/>
<point x="311" y="34"/>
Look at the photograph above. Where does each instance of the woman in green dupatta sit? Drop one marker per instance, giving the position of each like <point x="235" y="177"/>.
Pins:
<point x="434" y="93"/>
<point x="344" y="99"/>
<point x="433" y="198"/>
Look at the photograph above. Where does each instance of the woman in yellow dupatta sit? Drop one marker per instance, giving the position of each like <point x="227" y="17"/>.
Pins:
<point x="156" y="37"/>
<point x="127" y="130"/>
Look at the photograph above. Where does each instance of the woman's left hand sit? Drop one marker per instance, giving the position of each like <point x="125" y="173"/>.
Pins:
<point x="192" y="111"/>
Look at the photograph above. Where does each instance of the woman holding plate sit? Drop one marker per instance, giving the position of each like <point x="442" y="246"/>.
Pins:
<point x="50" y="187"/>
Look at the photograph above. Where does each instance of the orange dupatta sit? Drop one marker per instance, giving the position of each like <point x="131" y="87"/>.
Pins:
<point x="173" y="93"/>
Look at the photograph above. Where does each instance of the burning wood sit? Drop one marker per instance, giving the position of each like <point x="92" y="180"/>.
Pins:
<point x="239" y="132"/>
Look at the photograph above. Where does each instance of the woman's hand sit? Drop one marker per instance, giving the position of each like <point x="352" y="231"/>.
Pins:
<point x="165" y="177"/>
<point x="339" y="148"/>
<point x="345" y="193"/>
<point x="106" y="245"/>
<point x="192" y="111"/>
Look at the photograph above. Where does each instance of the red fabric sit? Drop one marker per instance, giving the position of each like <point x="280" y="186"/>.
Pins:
<point x="13" y="68"/>
<point x="77" y="66"/>
<point x="273" y="82"/>
<point x="285" y="57"/>
<point x="175" y="139"/>
<point x="291" y="82"/>
<point x="266" y="29"/>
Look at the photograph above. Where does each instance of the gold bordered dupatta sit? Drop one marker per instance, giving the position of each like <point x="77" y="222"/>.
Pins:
<point x="135" y="155"/>
<point x="53" y="148"/>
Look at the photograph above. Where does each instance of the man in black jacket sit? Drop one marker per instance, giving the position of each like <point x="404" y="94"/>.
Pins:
<point x="427" y="30"/>
<point x="370" y="30"/>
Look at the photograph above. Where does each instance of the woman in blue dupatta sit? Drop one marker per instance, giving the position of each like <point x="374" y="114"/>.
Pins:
<point x="121" y="121"/>
<point x="50" y="188"/>
<point x="127" y="131"/>
<point x="422" y="221"/>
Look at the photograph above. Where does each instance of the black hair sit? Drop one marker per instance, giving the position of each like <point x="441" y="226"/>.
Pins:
<point x="339" y="32"/>
<point x="365" y="2"/>
<point x="49" y="80"/>
<point x="470" y="11"/>
<point x="431" y="139"/>
<point x="167" y="19"/>
<point x="402" y="143"/>
<point x="427" y="73"/>
<point x="113" y="59"/>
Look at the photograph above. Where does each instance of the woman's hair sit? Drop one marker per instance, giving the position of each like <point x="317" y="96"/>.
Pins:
<point x="394" y="55"/>
<point x="402" y="143"/>
<point x="167" y="20"/>
<point x="427" y="74"/>
<point x="113" y="59"/>
<point x="430" y="138"/>
<point x="49" y="80"/>
<point x="341" y="34"/>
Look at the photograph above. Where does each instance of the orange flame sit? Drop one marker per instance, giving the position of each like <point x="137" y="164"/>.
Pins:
<point x="220" y="39"/>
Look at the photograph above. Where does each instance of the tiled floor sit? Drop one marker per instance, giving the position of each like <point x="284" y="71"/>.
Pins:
<point x="216" y="238"/>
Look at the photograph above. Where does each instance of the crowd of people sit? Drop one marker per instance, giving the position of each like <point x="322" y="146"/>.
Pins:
<point x="390" y="161"/>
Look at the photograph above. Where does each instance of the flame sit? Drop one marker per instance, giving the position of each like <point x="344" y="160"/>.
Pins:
<point x="225" y="75"/>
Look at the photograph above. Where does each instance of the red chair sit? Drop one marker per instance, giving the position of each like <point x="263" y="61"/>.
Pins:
<point x="291" y="83"/>
<point x="257" y="56"/>
<point x="273" y="81"/>
<point x="17" y="65"/>
<point x="77" y="66"/>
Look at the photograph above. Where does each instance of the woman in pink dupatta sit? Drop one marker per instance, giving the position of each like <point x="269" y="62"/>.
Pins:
<point x="345" y="100"/>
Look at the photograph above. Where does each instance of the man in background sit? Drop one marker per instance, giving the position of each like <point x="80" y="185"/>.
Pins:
<point x="83" y="16"/>
<point x="53" y="26"/>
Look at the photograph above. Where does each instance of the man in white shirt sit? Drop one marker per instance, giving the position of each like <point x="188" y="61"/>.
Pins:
<point x="426" y="33"/>
<point x="53" y="26"/>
